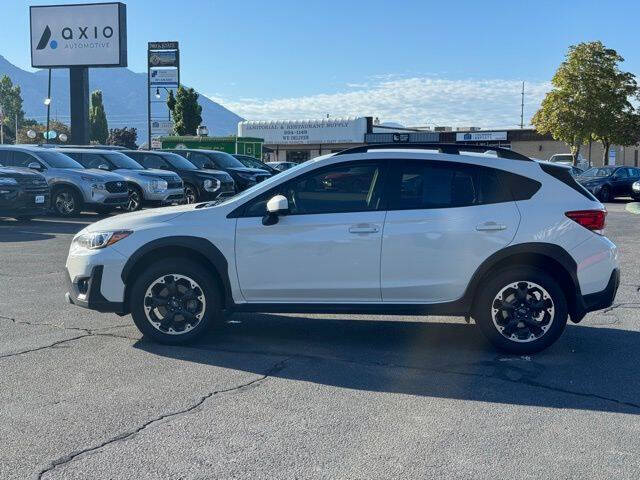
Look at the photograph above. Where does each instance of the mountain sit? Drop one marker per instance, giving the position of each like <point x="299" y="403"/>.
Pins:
<point x="124" y="96"/>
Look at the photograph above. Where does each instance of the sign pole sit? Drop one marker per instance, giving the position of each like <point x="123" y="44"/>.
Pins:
<point x="46" y="135"/>
<point x="148" y="101"/>
<point x="79" y="89"/>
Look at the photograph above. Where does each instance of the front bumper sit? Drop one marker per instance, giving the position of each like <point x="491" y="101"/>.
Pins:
<point x="86" y="292"/>
<point x="18" y="202"/>
<point x="173" y="195"/>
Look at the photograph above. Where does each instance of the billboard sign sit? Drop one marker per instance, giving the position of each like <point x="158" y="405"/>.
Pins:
<point x="160" y="128"/>
<point x="163" y="59"/>
<point x="159" y="76"/>
<point x="481" y="136"/>
<point x="89" y="35"/>
<point x="347" y="130"/>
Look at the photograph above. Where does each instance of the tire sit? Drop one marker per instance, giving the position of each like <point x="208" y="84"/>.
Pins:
<point x="66" y="202"/>
<point x="190" y="194"/>
<point x="605" y="194"/>
<point x="136" y="199"/>
<point x="523" y="329"/>
<point x="196" y="294"/>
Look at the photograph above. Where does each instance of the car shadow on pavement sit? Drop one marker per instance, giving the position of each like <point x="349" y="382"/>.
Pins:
<point x="42" y="228"/>
<point x="591" y="368"/>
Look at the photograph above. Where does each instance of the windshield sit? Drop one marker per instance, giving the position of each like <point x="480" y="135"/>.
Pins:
<point x="222" y="159"/>
<point x="120" y="160"/>
<point x="250" y="162"/>
<point x="178" y="161"/>
<point x="59" y="160"/>
<point x="562" y="158"/>
<point x="598" y="172"/>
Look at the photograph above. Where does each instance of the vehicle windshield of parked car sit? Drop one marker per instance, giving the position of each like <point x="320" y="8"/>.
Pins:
<point x="59" y="160"/>
<point x="250" y="162"/>
<point x="119" y="160"/>
<point x="562" y="158"/>
<point x="178" y="161"/>
<point x="222" y="160"/>
<point x="598" y="172"/>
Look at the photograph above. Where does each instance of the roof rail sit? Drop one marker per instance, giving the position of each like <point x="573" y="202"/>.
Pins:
<point x="450" y="148"/>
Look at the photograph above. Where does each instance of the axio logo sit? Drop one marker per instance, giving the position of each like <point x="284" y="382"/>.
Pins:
<point x="467" y="136"/>
<point x="44" y="40"/>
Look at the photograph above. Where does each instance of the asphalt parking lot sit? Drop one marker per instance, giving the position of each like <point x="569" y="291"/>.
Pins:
<point x="306" y="396"/>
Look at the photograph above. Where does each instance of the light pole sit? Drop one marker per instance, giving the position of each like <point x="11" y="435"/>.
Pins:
<point x="47" y="102"/>
<point x="158" y="96"/>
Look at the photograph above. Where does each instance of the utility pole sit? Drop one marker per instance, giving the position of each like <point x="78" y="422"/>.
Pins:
<point x="522" y="108"/>
<point x="16" y="131"/>
<point x="1" y="125"/>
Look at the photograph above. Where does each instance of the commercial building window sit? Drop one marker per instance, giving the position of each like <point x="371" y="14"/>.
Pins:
<point x="298" y="156"/>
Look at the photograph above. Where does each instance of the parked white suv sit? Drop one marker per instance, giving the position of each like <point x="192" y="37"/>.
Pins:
<point x="425" y="229"/>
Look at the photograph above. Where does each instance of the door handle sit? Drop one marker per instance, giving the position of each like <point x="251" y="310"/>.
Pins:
<point x="363" y="228"/>
<point x="490" y="227"/>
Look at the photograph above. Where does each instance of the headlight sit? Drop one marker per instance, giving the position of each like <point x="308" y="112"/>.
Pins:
<point x="8" y="181"/>
<point x="95" y="240"/>
<point x="636" y="186"/>
<point x="211" y="185"/>
<point x="248" y="176"/>
<point x="158" y="185"/>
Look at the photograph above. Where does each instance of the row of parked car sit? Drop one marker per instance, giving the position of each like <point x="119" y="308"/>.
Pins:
<point x="68" y="180"/>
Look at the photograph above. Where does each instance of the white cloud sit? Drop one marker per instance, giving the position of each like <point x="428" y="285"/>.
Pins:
<point x="411" y="101"/>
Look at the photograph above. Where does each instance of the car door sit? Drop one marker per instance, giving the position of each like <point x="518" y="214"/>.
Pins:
<point x="326" y="250"/>
<point x="444" y="219"/>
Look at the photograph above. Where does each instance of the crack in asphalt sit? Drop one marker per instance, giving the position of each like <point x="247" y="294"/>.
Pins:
<point x="632" y="305"/>
<point x="88" y="332"/>
<point x="275" y="368"/>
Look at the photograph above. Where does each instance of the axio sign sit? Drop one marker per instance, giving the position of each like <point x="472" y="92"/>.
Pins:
<point x="348" y="130"/>
<point x="91" y="35"/>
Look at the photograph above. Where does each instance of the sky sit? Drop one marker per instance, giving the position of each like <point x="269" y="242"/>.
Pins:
<point x="413" y="62"/>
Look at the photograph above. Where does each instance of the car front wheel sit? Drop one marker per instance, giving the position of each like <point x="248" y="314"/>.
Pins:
<point x="605" y="194"/>
<point x="175" y="302"/>
<point x="521" y="310"/>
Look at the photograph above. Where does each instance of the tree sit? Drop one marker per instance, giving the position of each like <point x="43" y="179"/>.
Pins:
<point x="171" y="102"/>
<point x="125" y="137"/>
<point x="186" y="112"/>
<point x="11" y="104"/>
<point x="591" y="100"/>
<point x="98" y="128"/>
<point x="54" y="125"/>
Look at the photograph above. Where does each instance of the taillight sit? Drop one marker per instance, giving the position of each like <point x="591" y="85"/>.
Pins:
<point x="590" y="219"/>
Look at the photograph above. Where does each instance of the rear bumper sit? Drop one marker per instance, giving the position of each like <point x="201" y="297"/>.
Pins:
<point x="18" y="202"/>
<point x="598" y="300"/>
<point x="85" y="292"/>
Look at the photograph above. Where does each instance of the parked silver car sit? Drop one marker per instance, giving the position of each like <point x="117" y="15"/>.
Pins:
<point x="73" y="188"/>
<point x="146" y="187"/>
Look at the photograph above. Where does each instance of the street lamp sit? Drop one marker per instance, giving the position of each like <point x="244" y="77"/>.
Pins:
<point x="202" y="131"/>
<point x="47" y="101"/>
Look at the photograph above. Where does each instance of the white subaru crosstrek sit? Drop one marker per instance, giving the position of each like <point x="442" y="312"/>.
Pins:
<point x="515" y="244"/>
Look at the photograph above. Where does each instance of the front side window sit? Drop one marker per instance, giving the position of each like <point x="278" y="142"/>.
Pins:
<point x="21" y="159"/>
<point x="335" y="189"/>
<point x="424" y="185"/>
<point x="58" y="160"/>
<point x="152" y="161"/>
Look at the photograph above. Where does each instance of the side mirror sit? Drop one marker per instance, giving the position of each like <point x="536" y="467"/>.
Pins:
<point x="103" y="166"/>
<point x="276" y="206"/>
<point x="35" y="166"/>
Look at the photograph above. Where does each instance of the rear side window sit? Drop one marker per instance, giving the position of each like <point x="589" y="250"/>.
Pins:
<point x="424" y="185"/>
<point x="563" y="174"/>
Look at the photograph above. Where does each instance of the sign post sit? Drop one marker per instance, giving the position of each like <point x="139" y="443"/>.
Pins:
<point x="78" y="37"/>
<point x="163" y="75"/>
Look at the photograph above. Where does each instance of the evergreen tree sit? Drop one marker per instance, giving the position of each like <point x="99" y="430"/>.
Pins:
<point x="186" y="112"/>
<point x="98" y="128"/>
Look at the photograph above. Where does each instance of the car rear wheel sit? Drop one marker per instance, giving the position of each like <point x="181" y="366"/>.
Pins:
<point x="521" y="310"/>
<point x="175" y="302"/>
<point x="66" y="202"/>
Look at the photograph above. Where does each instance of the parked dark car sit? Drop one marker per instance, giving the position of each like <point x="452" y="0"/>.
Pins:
<point x="212" y="159"/>
<point x="610" y="182"/>
<point x="253" y="162"/>
<point x="200" y="185"/>
<point x="24" y="194"/>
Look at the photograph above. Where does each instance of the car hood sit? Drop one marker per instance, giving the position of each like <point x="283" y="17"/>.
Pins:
<point x="209" y="171"/>
<point x="16" y="172"/>
<point x="139" y="219"/>
<point x="249" y="170"/>
<point x="103" y="175"/>
<point x="147" y="174"/>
